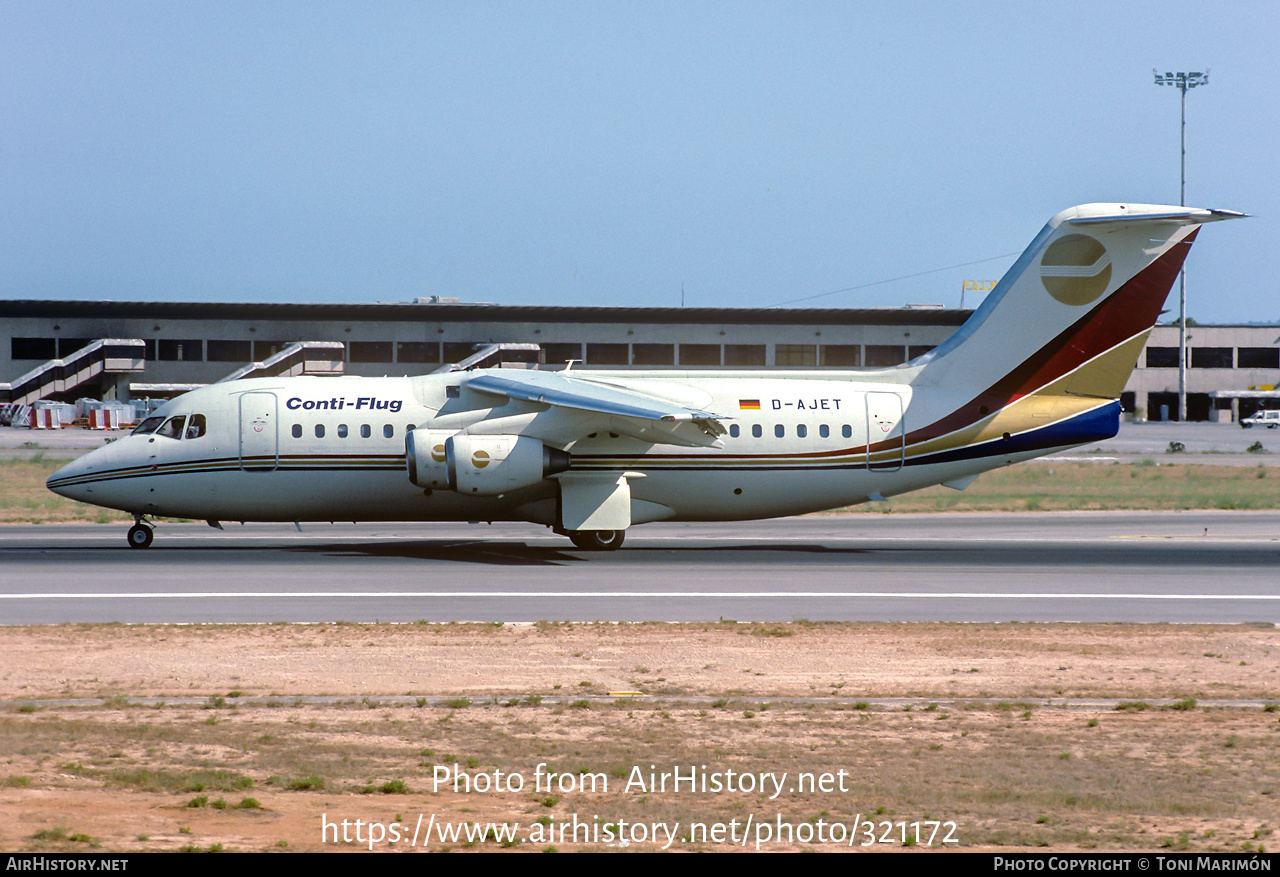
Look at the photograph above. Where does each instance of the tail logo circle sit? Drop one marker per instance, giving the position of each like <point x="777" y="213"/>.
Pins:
<point x="1075" y="269"/>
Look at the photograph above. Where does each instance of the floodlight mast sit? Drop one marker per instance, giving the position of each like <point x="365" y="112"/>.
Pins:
<point x="1182" y="81"/>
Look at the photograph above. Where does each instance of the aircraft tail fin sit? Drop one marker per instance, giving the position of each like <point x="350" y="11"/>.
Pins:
<point x="1072" y="314"/>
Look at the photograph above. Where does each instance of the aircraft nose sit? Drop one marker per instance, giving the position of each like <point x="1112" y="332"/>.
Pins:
<point x="104" y="477"/>
<point x="68" y="481"/>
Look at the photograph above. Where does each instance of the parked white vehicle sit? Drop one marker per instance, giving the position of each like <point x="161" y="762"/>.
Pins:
<point x="1269" y="419"/>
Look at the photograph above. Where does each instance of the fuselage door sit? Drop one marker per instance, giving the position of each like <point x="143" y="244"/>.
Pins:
<point x="258" y="441"/>
<point x="886" y="433"/>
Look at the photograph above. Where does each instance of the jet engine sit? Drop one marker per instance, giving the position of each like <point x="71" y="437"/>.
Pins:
<point x="480" y="465"/>
<point x="425" y="458"/>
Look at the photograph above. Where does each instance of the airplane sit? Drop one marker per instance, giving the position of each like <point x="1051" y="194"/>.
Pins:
<point x="1037" y="368"/>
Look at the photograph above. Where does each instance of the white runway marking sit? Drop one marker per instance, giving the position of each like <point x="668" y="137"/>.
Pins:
<point x="665" y="595"/>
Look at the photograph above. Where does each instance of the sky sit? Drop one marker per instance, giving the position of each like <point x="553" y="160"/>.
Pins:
<point x="711" y="154"/>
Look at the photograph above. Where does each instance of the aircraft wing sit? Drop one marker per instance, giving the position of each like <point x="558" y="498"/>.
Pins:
<point x="625" y="411"/>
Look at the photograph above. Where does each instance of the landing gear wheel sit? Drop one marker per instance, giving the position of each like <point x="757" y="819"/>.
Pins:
<point x="140" y="536"/>
<point x="597" y="540"/>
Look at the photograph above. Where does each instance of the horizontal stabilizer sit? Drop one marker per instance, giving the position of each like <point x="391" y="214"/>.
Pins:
<point x="1097" y="214"/>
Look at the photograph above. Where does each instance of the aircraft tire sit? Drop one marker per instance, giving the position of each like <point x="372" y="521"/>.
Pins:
<point x="140" y="536"/>
<point x="597" y="540"/>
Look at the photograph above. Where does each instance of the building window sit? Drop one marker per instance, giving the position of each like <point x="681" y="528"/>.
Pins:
<point x="795" y="354"/>
<point x="607" y="354"/>
<point x="1258" y="357"/>
<point x="33" y="348"/>
<point x="1162" y="357"/>
<point x="884" y="355"/>
<point x="370" y="351"/>
<point x="744" y="355"/>
<point x="230" y="351"/>
<point x="653" y="354"/>
<point x="699" y="354"/>
<point x="456" y="351"/>
<point x="68" y="346"/>
<point x="180" y="350"/>
<point x="264" y="350"/>
<point x="1211" y="357"/>
<point x="418" y="351"/>
<point x="841" y="355"/>
<point x="555" y="354"/>
<point x="915" y="350"/>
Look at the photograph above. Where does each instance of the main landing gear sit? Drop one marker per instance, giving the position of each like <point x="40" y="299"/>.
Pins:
<point x="597" y="540"/>
<point x="140" y="534"/>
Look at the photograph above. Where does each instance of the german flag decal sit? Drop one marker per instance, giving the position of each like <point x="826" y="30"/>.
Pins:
<point x="749" y="404"/>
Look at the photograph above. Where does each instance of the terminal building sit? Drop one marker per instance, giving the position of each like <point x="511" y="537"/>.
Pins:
<point x="66" y="350"/>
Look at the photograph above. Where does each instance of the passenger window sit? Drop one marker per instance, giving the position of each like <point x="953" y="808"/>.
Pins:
<point x="196" y="427"/>
<point x="846" y="431"/>
<point x="342" y="430"/>
<point x="365" y="432"/>
<point x="756" y="430"/>
<point x="733" y="430"/>
<point x="802" y="430"/>
<point x="779" y="430"/>
<point x="824" y="430"/>
<point x="388" y="431"/>
<point x="172" y="427"/>
<point x="147" y="426"/>
<point x="319" y="430"/>
<point x="297" y="430"/>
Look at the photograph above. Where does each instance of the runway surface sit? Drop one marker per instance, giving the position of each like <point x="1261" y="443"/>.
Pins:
<point x="1220" y="567"/>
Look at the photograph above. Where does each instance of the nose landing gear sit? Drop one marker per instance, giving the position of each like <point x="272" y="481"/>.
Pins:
<point x="140" y="534"/>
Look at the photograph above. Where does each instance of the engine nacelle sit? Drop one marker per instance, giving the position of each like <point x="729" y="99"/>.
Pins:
<point x="487" y="465"/>
<point x="426" y="459"/>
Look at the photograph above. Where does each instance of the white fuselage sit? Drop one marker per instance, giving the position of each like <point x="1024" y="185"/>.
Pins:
<point x="311" y="449"/>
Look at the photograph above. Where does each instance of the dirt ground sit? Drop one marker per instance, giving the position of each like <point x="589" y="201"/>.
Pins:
<point x="791" y="736"/>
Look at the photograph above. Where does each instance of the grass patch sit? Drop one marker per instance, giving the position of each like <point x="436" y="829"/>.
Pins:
<point x="160" y="780"/>
<point x="1051" y="487"/>
<point x="1133" y="706"/>
<point x="25" y="500"/>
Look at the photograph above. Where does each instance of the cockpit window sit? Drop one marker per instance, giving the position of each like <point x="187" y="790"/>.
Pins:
<point x="196" y="426"/>
<point x="147" y="426"/>
<point x="173" y="427"/>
